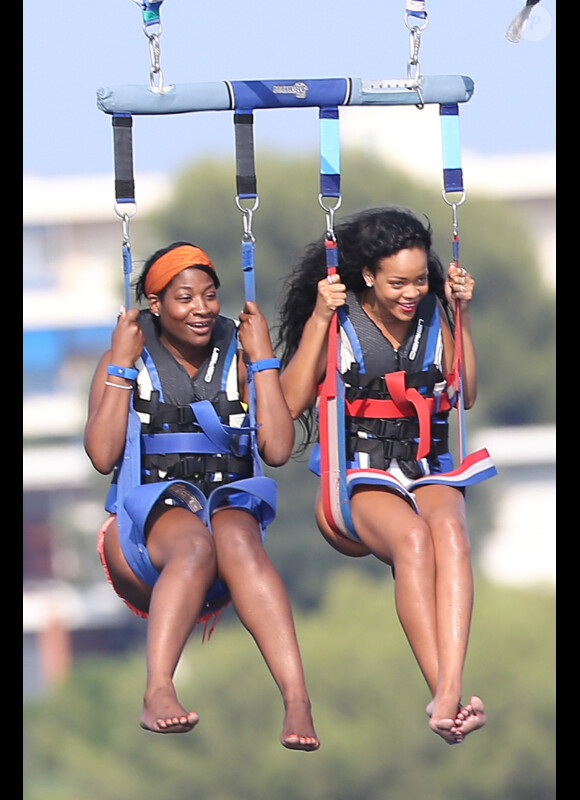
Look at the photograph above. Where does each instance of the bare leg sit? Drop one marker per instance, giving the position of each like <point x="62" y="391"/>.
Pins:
<point x="181" y="548"/>
<point x="261" y="602"/>
<point x="398" y="536"/>
<point x="444" y="510"/>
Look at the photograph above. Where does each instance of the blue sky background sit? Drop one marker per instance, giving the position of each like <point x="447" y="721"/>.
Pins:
<point x="74" y="47"/>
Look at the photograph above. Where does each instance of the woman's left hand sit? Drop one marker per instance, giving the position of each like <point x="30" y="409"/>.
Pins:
<point x="254" y="333"/>
<point x="459" y="286"/>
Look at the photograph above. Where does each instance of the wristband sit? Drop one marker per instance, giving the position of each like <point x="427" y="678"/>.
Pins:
<point x="265" y="363"/>
<point x="118" y="385"/>
<point x="122" y="372"/>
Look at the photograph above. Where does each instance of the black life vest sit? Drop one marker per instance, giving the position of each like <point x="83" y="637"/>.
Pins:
<point x="383" y="418"/>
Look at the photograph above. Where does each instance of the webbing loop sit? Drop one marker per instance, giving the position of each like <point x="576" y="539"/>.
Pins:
<point x="246" y="182"/>
<point x="125" y="205"/>
<point x="247" y="201"/>
<point x="329" y="166"/>
<point x="335" y="499"/>
<point x="453" y="184"/>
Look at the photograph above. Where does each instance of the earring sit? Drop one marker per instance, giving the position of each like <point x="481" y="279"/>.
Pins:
<point x="368" y="284"/>
<point x="155" y="313"/>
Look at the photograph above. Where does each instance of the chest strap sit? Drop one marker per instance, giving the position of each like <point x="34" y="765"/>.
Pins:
<point x="405" y="401"/>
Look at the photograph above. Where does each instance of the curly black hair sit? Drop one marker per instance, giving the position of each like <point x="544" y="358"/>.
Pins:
<point x="362" y="240"/>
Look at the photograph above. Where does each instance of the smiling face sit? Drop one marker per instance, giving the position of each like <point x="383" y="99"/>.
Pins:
<point x="399" y="283"/>
<point x="188" y="310"/>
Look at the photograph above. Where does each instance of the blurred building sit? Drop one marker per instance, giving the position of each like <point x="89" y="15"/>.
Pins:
<point x="73" y="287"/>
<point x="410" y="139"/>
<point x="520" y="549"/>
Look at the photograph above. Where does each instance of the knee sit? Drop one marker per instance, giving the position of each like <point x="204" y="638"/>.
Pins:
<point x="415" y="544"/>
<point x="451" y="534"/>
<point x="189" y="554"/>
<point x="202" y="549"/>
<point x="241" y="545"/>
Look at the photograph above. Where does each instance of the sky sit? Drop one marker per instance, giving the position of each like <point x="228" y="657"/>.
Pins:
<point x="71" y="48"/>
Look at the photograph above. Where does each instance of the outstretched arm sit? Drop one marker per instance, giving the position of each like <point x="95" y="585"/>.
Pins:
<point x="108" y="405"/>
<point x="459" y="286"/>
<point x="276" y="428"/>
<point x="305" y="370"/>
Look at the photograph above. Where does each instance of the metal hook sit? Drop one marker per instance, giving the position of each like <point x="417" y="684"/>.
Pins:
<point x="454" y="206"/>
<point x="330" y="211"/>
<point x="247" y="216"/>
<point x="125" y="216"/>
<point x="413" y="28"/>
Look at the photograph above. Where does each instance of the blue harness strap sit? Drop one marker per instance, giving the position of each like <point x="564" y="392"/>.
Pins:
<point x="329" y="153"/>
<point x="135" y="500"/>
<point x="131" y="536"/>
<point x="450" y="140"/>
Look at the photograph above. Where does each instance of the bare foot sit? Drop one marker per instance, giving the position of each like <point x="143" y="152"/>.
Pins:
<point x="447" y="729"/>
<point x="471" y="717"/>
<point x="162" y="713"/>
<point x="298" y="732"/>
<point x="445" y="726"/>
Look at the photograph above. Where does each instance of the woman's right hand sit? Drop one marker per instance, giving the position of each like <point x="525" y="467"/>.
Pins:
<point x="331" y="295"/>
<point x="128" y="339"/>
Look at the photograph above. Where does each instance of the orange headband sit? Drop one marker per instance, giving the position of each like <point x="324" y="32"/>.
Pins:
<point x="162" y="271"/>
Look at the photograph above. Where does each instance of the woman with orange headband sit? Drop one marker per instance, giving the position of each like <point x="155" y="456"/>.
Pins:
<point x="188" y="506"/>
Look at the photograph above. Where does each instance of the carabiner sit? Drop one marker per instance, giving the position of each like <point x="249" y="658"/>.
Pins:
<point x="247" y="216"/>
<point x="330" y="210"/>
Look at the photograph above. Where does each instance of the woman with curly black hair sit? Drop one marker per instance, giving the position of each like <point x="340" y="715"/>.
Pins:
<point x="396" y="355"/>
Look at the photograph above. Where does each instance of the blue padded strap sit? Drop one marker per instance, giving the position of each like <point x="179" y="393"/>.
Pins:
<point x="226" y="95"/>
<point x="141" y="500"/>
<point x="129" y="477"/>
<point x="134" y="511"/>
<point x="248" y="262"/>
<point x="264" y="489"/>
<point x="212" y="426"/>
<point x="159" y="443"/>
